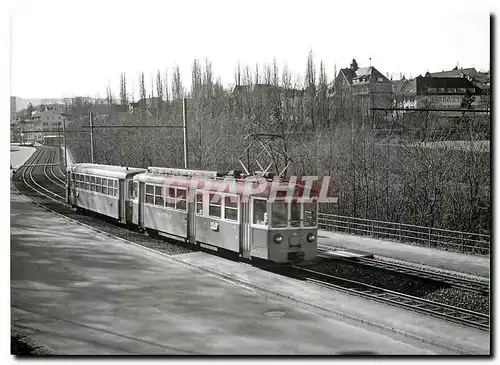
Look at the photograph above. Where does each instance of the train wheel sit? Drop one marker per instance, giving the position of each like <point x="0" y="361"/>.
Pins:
<point x="152" y="233"/>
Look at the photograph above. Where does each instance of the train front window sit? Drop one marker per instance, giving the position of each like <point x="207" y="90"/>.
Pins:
<point x="295" y="213"/>
<point x="280" y="214"/>
<point x="310" y="214"/>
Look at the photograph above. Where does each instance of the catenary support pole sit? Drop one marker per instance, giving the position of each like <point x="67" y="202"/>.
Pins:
<point x="184" y="126"/>
<point x="91" y="139"/>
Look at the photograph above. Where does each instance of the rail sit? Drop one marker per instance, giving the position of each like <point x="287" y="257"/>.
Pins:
<point x="466" y="242"/>
<point x="435" y="309"/>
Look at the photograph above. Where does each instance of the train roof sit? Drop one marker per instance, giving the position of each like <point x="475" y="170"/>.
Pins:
<point x="104" y="170"/>
<point x="226" y="185"/>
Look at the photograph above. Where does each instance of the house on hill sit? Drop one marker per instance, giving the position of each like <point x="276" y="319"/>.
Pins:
<point x="367" y="87"/>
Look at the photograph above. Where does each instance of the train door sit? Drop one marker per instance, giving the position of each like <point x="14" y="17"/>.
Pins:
<point x="245" y="241"/>
<point x="191" y="210"/>
<point x="140" y="218"/>
<point x="259" y="229"/>
<point x="69" y="184"/>
<point x="122" y="196"/>
<point x="133" y="202"/>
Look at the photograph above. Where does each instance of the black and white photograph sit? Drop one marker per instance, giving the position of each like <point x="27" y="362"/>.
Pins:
<point x="198" y="179"/>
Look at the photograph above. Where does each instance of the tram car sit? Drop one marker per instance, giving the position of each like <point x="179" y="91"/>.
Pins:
<point x="208" y="208"/>
<point x="101" y="189"/>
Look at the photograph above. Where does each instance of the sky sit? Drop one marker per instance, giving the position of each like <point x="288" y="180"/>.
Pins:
<point x="62" y="49"/>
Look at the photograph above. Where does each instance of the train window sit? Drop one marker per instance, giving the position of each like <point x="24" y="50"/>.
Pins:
<point x="295" y="213"/>
<point x="105" y="190"/>
<point x="87" y="183"/>
<point x="159" y="196"/>
<point x="279" y="214"/>
<point x="98" y="181"/>
<point x="214" y="205"/>
<point x="199" y="204"/>
<point x="116" y="184"/>
<point x="310" y="214"/>
<point x="181" y="199"/>
<point x="260" y="212"/>
<point x="231" y="208"/>
<point x="149" y="194"/>
<point x="171" y="198"/>
<point x="92" y="183"/>
<point x="98" y="188"/>
<point x="110" y="183"/>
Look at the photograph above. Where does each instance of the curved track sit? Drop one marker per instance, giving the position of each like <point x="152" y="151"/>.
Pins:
<point x="39" y="169"/>
<point x="35" y="179"/>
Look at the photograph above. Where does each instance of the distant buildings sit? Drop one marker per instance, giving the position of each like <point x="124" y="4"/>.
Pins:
<point x="367" y="86"/>
<point x="443" y="90"/>
<point x="46" y="120"/>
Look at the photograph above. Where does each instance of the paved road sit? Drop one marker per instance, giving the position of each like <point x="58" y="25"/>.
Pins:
<point x="82" y="293"/>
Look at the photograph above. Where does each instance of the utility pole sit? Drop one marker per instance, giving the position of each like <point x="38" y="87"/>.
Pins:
<point x="91" y="139"/>
<point x="184" y="126"/>
<point x="65" y="150"/>
<point x="59" y="138"/>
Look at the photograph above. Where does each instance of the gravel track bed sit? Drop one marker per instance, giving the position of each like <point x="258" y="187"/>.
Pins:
<point x="438" y="270"/>
<point x="402" y="284"/>
<point x="462" y="299"/>
<point x="384" y="279"/>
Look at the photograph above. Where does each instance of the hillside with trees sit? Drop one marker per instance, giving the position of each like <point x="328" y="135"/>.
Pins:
<point x="380" y="168"/>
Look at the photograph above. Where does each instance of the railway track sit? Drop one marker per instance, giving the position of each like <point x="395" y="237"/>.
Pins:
<point x="438" y="310"/>
<point x="36" y="168"/>
<point x="28" y="184"/>
<point x="480" y="287"/>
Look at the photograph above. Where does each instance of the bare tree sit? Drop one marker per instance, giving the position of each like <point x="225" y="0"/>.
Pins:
<point x="310" y="85"/>
<point x="257" y="78"/>
<point x="177" y="88"/>
<point x="196" y="79"/>
<point x="123" y="89"/>
<point x="159" y="85"/>
<point x="142" y="87"/>
<point x="237" y="75"/>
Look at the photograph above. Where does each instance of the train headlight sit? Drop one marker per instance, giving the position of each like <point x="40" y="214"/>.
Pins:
<point x="311" y="237"/>
<point x="278" y="238"/>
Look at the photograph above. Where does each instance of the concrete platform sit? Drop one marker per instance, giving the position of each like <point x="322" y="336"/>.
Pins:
<point x="451" y="261"/>
<point x="82" y="292"/>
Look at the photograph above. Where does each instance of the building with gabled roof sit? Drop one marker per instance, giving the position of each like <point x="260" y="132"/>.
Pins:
<point x="480" y="79"/>
<point x="431" y="92"/>
<point x="367" y="87"/>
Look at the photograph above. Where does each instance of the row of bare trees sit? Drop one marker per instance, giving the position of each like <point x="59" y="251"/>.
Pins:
<point x="382" y="177"/>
